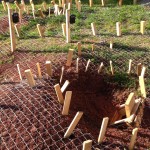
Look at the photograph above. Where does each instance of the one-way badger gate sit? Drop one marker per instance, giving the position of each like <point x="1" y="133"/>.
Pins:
<point x="128" y="114"/>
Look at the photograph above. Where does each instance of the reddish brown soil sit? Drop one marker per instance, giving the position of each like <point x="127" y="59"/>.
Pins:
<point x="31" y="117"/>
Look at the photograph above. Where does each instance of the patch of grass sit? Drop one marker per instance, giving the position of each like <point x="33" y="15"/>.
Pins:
<point x="122" y="80"/>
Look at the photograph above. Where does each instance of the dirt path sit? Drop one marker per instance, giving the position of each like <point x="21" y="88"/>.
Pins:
<point x="145" y="2"/>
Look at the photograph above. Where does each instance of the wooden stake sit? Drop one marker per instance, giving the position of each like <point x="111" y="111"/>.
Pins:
<point x="39" y="70"/>
<point x="62" y="73"/>
<point x="64" y="29"/>
<point x="73" y="124"/>
<point x="41" y="13"/>
<point x="103" y="130"/>
<point x="100" y="67"/>
<point x="129" y="104"/>
<point x="142" y="86"/>
<point x="79" y="6"/>
<point x="93" y="46"/>
<point x="63" y="2"/>
<point x="87" y="145"/>
<point x="19" y="72"/>
<point x="94" y="31"/>
<point x="23" y="4"/>
<point x="103" y="2"/>
<point x="49" y="10"/>
<point x="139" y="68"/>
<point x="33" y="10"/>
<point x="91" y="3"/>
<point x="77" y="65"/>
<point x="17" y="28"/>
<point x="87" y="65"/>
<point x="142" y="27"/>
<point x="111" y="67"/>
<point x="27" y="10"/>
<point x="40" y="30"/>
<point x="120" y="2"/>
<point x="63" y="88"/>
<point x="111" y="44"/>
<point x="79" y="48"/>
<point x="118" y="28"/>
<point x="133" y="138"/>
<point x="44" y="6"/>
<point x="20" y="15"/>
<point x="49" y="68"/>
<point x="130" y="65"/>
<point x="76" y="1"/>
<point x="59" y="93"/>
<point x="67" y="103"/>
<point x="69" y="58"/>
<point x="68" y="39"/>
<point x="11" y="28"/>
<point x="17" y="4"/>
<point x="134" y="2"/>
<point x="29" y="77"/>
<point x="143" y="71"/>
<point x="64" y="9"/>
<point x="4" y="5"/>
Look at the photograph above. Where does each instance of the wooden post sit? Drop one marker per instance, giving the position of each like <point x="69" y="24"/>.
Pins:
<point x="17" y="28"/>
<point x="79" y="48"/>
<point x="64" y="29"/>
<point x="62" y="73"/>
<point x="120" y="2"/>
<point x="59" y="93"/>
<point x="87" y="65"/>
<point x="60" y="4"/>
<point x="111" y="44"/>
<point x="139" y="69"/>
<point x="100" y="67"/>
<point x="39" y="70"/>
<point x="63" y="2"/>
<point x="142" y="27"/>
<point x="12" y="30"/>
<point x="19" y="72"/>
<point x="17" y="5"/>
<point x="79" y="6"/>
<point x="27" y="10"/>
<point x="23" y="4"/>
<point x="41" y="13"/>
<point x="49" y="68"/>
<point x="77" y="65"/>
<point x="111" y="67"/>
<point x="93" y="46"/>
<point x="133" y="138"/>
<point x="103" y="2"/>
<point x="49" y="10"/>
<point x="56" y="9"/>
<point x="63" y="88"/>
<point x="130" y="65"/>
<point x="4" y="5"/>
<point x="103" y="130"/>
<point x="33" y="10"/>
<point x="134" y="2"/>
<point x="64" y="9"/>
<point x="91" y="3"/>
<point x="118" y="28"/>
<point x="143" y="71"/>
<point x="20" y="15"/>
<point x="44" y="6"/>
<point x="129" y="104"/>
<point x="29" y="77"/>
<point x="94" y="31"/>
<point x="69" y="58"/>
<point x="67" y="103"/>
<point x="40" y="30"/>
<point x="73" y="124"/>
<point x="69" y="6"/>
<point x="142" y="86"/>
<point x="68" y="39"/>
<point x="87" y="145"/>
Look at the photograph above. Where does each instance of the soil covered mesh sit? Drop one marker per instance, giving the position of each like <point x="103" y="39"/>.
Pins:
<point x="31" y="117"/>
